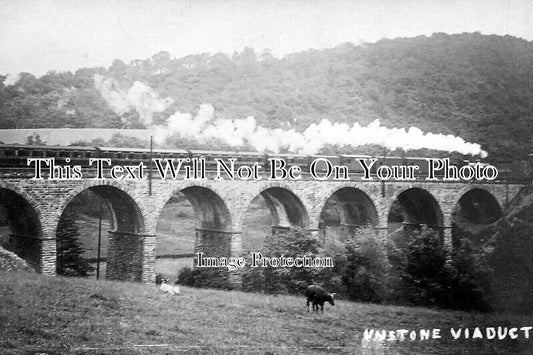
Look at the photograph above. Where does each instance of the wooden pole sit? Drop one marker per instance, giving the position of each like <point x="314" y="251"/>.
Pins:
<point x="150" y="167"/>
<point x="99" y="242"/>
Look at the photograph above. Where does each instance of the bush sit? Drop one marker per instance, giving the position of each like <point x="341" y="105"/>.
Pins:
<point x="295" y="242"/>
<point x="471" y="286"/>
<point x="205" y="278"/>
<point x="185" y="277"/>
<point x="332" y="278"/>
<point x="508" y="253"/>
<point x="366" y="268"/>
<point x="359" y="272"/>
<point x="70" y="261"/>
<point x="428" y="275"/>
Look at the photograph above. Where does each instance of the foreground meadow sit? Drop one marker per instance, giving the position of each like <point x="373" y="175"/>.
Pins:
<point x="54" y="315"/>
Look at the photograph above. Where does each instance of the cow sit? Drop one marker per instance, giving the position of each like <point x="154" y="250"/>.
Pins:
<point x="317" y="296"/>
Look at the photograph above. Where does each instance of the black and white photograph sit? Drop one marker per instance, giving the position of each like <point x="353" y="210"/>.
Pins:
<point x="266" y="177"/>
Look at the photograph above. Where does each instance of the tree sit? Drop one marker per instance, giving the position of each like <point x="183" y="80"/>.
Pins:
<point x="425" y="270"/>
<point x="471" y="284"/>
<point x="431" y="276"/>
<point x="294" y="242"/>
<point x="366" y="271"/>
<point x="70" y="261"/>
<point x="34" y="139"/>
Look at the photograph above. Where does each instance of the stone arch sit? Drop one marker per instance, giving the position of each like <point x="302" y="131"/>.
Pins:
<point x="208" y="204"/>
<point x="21" y="229"/>
<point x="128" y="250"/>
<point x="327" y="191"/>
<point x="211" y="209"/>
<point x="201" y="195"/>
<point x="496" y="191"/>
<point x="211" y="231"/>
<point x="415" y="206"/>
<point x="296" y="198"/>
<point x="483" y="205"/>
<point x="128" y="212"/>
<point x="269" y="209"/>
<point x="346" y="209"/>
<point x="286" y="207"/>
<point x="28" y="196"/>
<point x="475" y="209"/>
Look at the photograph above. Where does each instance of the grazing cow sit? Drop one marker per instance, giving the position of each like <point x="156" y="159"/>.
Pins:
<point x="317" y="296"/>
<point x="172" y="290"/>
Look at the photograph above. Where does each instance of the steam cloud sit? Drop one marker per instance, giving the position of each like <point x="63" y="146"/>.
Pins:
<point x="139" y="96"/>
<point x="239" y="133"/>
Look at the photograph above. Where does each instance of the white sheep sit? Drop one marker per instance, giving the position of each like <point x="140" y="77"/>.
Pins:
<point x="172" y="290"/>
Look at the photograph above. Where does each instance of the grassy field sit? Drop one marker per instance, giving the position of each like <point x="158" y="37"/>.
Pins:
<point x="257" y="224"/>
<point x="53" y="315"/>
<point x="176" y="229"/>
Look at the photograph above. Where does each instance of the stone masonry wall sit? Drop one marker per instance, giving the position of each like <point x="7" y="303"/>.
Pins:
<point x="124" y="257"/>
<point x="134" y="254"/>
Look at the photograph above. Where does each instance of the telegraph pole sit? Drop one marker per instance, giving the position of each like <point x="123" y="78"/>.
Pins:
<point x="99" y="239"/>
<point x="150" y="167"/>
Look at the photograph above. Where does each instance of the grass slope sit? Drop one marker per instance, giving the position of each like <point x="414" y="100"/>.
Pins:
<point x="56" y="315"/>
<point x="11" y="262"/>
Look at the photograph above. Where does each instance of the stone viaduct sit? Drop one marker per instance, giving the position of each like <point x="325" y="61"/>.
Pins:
<point x="34" y="208"/>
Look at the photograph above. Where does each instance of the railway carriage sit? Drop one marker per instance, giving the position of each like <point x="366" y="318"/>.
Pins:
<point x="351" y="161"/>
<point x="123" y="155"/>
<point x="15" y="156"/>
<point x="13" y="159"/>
<point x="301" y="160"/>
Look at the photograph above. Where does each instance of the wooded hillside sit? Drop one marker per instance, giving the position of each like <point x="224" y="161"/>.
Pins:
<point x="476" y="86"/>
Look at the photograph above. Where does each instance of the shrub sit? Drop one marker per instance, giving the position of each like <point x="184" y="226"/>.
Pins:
<point x="425" y="273"/>
<point x="291" y="243"/>
<point x="429" y="276"/>
<point x="205" y="278"/>
<point x="70" y="261"/>
<point x="366" y="267"/>
<point x="471" y="285"/>
<point x="332" y="278"/>
<point x="508" y="253"/>
<point x="359" y="271"/>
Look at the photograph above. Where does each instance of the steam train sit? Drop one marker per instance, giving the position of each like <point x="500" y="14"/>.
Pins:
<point x="13" y="157"/>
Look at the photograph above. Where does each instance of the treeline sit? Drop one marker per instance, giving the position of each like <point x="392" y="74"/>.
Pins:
<point x="476" y="86"/>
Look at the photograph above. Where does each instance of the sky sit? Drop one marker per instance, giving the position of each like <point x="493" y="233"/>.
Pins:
<point x="39" y="36"/>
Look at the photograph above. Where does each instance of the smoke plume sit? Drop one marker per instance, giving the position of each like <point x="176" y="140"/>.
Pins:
<point x="243" y="132"/>
<point x="240" y="133"/>
<point x="139" y="96"/>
